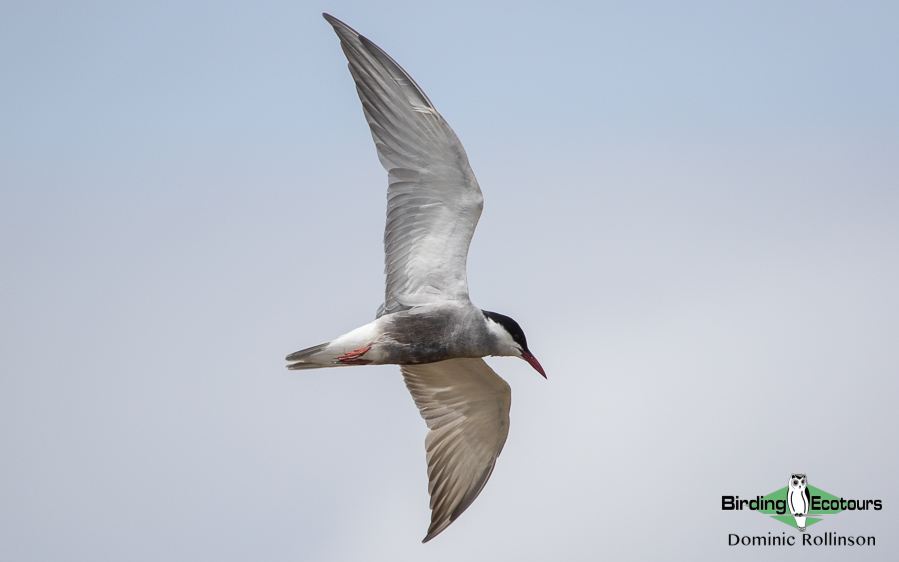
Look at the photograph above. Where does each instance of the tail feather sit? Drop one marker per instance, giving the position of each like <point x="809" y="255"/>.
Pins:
<point x="349" y="349"/>
<point x="302" y="366"/>
<point x="305" y="353"/>
<point x="310" y="358"/>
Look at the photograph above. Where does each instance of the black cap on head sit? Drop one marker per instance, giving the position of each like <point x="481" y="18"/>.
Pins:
<point x="511" y="326"/>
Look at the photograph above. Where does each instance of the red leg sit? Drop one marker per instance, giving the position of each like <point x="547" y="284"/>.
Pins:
<point x="353" y="357"/>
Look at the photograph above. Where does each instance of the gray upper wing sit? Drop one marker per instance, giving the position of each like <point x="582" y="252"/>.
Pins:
<point x="433" y="198"/>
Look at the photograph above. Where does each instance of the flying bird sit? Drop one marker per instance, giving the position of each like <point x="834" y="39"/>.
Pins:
<point x="427" y="325"/>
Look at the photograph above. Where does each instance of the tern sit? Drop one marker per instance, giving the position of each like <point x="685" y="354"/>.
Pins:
<point x="427" y="325"/>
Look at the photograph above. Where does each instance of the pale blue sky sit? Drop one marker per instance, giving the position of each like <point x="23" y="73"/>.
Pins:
<point x="691" y="208"/>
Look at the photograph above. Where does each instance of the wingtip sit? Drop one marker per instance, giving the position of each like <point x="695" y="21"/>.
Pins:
<point x="435" y="529"/>
<point x="334" y="21"/>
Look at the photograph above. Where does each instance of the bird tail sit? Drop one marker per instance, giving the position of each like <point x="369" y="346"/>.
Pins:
<point x="314" y="357"/>
<point x="349" y="349"/>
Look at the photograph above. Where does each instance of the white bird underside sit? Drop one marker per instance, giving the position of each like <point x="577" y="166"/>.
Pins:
<point x="433" y="207"/>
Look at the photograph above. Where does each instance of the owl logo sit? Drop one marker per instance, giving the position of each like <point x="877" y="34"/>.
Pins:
<point x="798" y="499"/>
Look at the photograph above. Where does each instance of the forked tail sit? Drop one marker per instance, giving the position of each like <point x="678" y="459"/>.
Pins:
<point x="349" y="349"/>
<point x="311" y="358"/>
<point x="331" y="354"/>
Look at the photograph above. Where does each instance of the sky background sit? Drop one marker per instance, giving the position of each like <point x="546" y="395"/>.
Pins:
<point x="691" y="208"/>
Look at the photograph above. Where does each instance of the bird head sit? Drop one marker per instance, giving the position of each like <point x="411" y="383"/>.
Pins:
<point x="511" y="339"/>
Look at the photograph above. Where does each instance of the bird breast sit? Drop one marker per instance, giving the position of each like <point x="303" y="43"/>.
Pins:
<point x="434" y="333"/>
